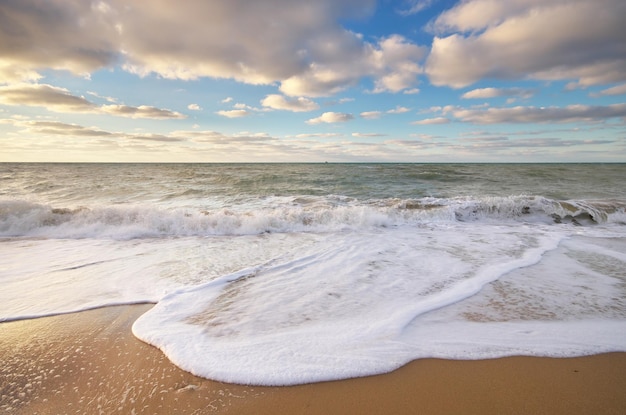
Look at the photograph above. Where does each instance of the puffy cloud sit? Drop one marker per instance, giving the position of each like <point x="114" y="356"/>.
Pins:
<point x="392" y="63"/>
<point x="194" y="107"/>
<point x="233" y="113"/>
<point x="279" y="102"/>
<point x="298" y="44"/>
<point x="331" y="117"/>
<point x="547" y="40"/>
<point x="61" y="100"/>
<point x="395" y="63"/>
<point x="498" y="92"/>
<point x="572" y="113"/>
<point x="77" y="36"/>
<point x="371" y="115"/>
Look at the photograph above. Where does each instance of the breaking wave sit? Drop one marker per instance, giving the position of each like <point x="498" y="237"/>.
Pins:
<point x="294" y="214"/>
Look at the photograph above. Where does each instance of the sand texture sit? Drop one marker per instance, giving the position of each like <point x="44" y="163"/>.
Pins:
<point x="90" y="363"/>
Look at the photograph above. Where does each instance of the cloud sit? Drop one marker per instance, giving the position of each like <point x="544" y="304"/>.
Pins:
<point x="61" y="100"/>
<point x="616" y="90"/>
<point x="392" y="63"/>
<point x="481" y="143"/>
<point x="59" y="128"/>
<point x="233" y="113"/>
<point x="371" y="115"/>
<point x="308" y="52"/>
<point x="318" y="135"/>
<point x="331" y="117"/>
<point x="142" y="111"/>
<point x="75" y="35"/>
<point x="399" y="110"/>
<point x="498" y="92"/>
<point x="368" y="135"/>
<point x="56" y="128"/>
<point x="227" y="100"/>
<point x="547" y="40"/>
<point x="432" y="121"/>
<point x="279" y="102"/>
<point x="108" y="99"/>
<point x="415" y="6"/>
<point x="194" y="107"/>
<point x="153" y="137"/>
<point x="572" y="113"/>
<point x="42" y="95"/>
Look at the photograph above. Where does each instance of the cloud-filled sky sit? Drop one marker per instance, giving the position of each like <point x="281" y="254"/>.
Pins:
<point x="313" y="81"/>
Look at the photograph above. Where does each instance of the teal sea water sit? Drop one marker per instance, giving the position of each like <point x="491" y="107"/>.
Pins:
<point x="281" y="274"/>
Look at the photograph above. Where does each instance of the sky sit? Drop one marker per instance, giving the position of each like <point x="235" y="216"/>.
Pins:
<point x="313" y="81"/>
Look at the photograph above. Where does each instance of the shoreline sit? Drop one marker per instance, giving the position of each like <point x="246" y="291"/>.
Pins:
<point x="90" y="362"/>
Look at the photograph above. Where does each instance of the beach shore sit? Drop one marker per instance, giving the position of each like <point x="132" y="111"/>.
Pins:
<point x="89" y="362"/>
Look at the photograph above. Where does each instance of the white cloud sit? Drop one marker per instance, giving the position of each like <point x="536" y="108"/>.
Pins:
<point x="280" y="102"/>
<point x="615" y="90"/>
<point x="318" y="135"/>
<point x="399" y="110"/>
<point x="331" y="117"/>
<point x="368" y="135"/>
<point x="415" y="6"/>
<point x="370" y="115"/>
<point x="432" y="121"/>
<point x="300" y="45"/>
<point x="142" y="111"/>
<point x="58" y="128"/>
<point x="392" y="63"/>
<point x="43" y="95"/>
<point x="227" y="100"/>
<point x="74" y="36"/>
<point x="108" y="99"/>
<point x="233" y="113"/>
<point x="498" y="92"/>
<point x="61" y="100"/>
<point x="194" y="107"/>
<point x="572" y="113"/>
<point x="548" y="40"/>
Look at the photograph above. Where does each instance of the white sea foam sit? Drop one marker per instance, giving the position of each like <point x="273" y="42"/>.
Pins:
<point x="51" y="276"/>
<point x="289" y="214"/>
<point x="356" y="305"/>
<point x="290" y="274"/>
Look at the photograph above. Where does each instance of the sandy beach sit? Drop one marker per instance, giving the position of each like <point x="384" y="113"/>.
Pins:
<point x="89" y="362"/>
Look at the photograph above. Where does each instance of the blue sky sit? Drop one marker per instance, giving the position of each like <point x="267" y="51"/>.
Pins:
<point x="330" y="80"/>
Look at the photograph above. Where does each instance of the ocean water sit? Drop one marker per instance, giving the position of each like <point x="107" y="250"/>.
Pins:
<point x="280" y="274"/>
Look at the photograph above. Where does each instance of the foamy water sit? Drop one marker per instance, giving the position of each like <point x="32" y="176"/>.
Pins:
<point x="286" y="274"/>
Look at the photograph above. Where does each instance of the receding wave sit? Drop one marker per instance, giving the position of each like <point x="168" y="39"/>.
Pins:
<point x="297" y="214"/>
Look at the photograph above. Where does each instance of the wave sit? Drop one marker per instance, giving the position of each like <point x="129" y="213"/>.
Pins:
<point x="20" y="218"/>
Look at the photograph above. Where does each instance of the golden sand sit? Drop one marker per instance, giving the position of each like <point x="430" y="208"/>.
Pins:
<point x="90" y="363"/>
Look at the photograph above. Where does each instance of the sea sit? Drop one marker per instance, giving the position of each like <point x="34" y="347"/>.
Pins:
<point x="283" y="274"/>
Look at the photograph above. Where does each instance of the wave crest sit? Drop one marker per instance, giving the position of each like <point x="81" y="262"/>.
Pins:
<point x="300" y="214"/>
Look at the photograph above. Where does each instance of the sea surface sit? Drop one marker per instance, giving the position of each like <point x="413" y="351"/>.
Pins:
<point x="280" y="274"/>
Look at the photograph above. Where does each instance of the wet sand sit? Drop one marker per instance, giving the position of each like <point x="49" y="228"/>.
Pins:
<point x="90" y="362"/>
